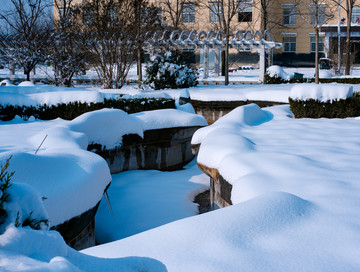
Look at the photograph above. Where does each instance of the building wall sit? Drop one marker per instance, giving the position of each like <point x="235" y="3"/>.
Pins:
<point x="302" y="31"/>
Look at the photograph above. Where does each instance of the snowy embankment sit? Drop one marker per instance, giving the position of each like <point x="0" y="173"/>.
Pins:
<point x="49" y="95"/>
<point x="295" y="194"/>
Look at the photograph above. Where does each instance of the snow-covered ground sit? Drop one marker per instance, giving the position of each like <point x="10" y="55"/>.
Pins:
<point x="295" y="195"/>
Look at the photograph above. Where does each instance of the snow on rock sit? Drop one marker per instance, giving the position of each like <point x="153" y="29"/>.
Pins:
<point x="24" y="249"/>
<point x="277" y="71"/>
<point x="321" y="92"/>
<point x="26" y="84"/>
<point x="106" y="126"/>
<point x="72" y="180"/>
<point x="248" y="115"/>
<point x="167" y="118"/>
<point x="6" y="82"/>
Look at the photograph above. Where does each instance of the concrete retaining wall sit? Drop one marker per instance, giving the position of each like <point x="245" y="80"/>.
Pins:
<point x="161" y="149"/>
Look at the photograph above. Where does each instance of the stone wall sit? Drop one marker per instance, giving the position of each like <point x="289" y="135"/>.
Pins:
<point x="220" y="189"/>
<point x="161" y="149"/>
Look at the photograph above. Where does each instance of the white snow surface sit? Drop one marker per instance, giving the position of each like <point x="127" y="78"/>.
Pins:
<point x="23" y="249"/>
<point x="277" y="71"/>
<point x="145" y="199"/>
<point x="50" y="95"/>
<point x="295" y="194"/>
<point x="167" y="118"/>
<point x="321" y="92"/>
<point x="63" y="171"/>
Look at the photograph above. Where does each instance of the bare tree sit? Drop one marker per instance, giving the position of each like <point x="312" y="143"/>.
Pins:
<point x="29" y="33"/>
<point x="222" y="14"/>
<point x="114" y="31"/>
<point x="66" y="52"/>
<point x="348" y="7"/>
<point x="174" y="10"/>
<point x="147" y="20"/>
<point x="316" y="13"/>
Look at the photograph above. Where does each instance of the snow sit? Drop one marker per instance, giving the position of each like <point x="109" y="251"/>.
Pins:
<point x="277" y="71"/>
<point x="321" y="92"/>
<point x="167" y="118"/>
<point x="63" y="171"/>
<point x="26" y="84"/>
<point x="40" y="95"/>
<point x="23" y="249"/>
<point x="142" y="200"/>
<point x="295" y="193"/>
<point x="106" y="126"/>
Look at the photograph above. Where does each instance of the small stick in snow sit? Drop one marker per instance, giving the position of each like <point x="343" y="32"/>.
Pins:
<point x="107" y="199"/>
<point x="40" y="144"/>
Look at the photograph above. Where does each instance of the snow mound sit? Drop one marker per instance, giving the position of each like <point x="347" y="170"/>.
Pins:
<point x="24" y="202"/>
<point x="324" y="74"/>
<point x="26" y="84"/>
<point x="222" y="142"/>
<point x="72" y="180"/>
<point x="167" y="118"/>
<point x="250" y="234"/>
<point x="29" y="250"/>
<point x="321" y="92"/>
<point x="107" y="126"/>
<point x="248" y="115"/>
<point x="6" y="82"/>
<point x="277" y="71"/>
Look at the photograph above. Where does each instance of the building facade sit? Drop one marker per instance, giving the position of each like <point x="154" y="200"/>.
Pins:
<point x="290" y="22"/>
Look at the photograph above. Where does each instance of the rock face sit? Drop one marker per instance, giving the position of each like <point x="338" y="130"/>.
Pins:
<point x="220" y="189"/>
<point x="161" y="149"/>
<point x="79" y="231"/>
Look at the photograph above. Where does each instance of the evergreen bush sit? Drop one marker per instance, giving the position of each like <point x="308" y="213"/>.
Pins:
<point x="168" y="72"/>
<point x="74" y="109"/>
<point x="312" y="108"/>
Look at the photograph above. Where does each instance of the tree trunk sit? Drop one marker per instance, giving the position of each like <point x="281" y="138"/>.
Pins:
<point x="317" y="55"/>
<point x="226" y="60"/>
<point x="28" y="75"/>
<point x="347" y="48"/>
<point x="316" y="43"/>
<point x="263" y="24"/>
<point x="139" y="66"/>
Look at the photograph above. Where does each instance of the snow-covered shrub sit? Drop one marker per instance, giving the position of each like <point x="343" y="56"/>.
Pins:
<point x="20" y="204"/>
<point x="275" y="75"/>
<point x="329" y="101"/>
<point x="168" y="72"/>
<point x="72" y="110"/>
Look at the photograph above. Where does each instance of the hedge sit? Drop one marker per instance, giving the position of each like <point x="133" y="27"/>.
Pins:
<point x="312" y="108"/>
<point x="74" y="109"/>
<point x="279" y="80"/>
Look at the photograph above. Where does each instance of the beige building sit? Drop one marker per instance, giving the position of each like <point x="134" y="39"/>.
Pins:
<point x="289" y="22"/>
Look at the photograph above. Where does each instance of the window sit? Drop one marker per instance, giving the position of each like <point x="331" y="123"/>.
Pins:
<point x="215" y="12"/>
<point x="313" y="44"/>
<point x="289" y="44"/>
<point x="321" y="15"/>
<point x="355" y="16"/>
<point x="289" y="16"/>
<point x="188" y="13"/>
<point x="245" y="12"/>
